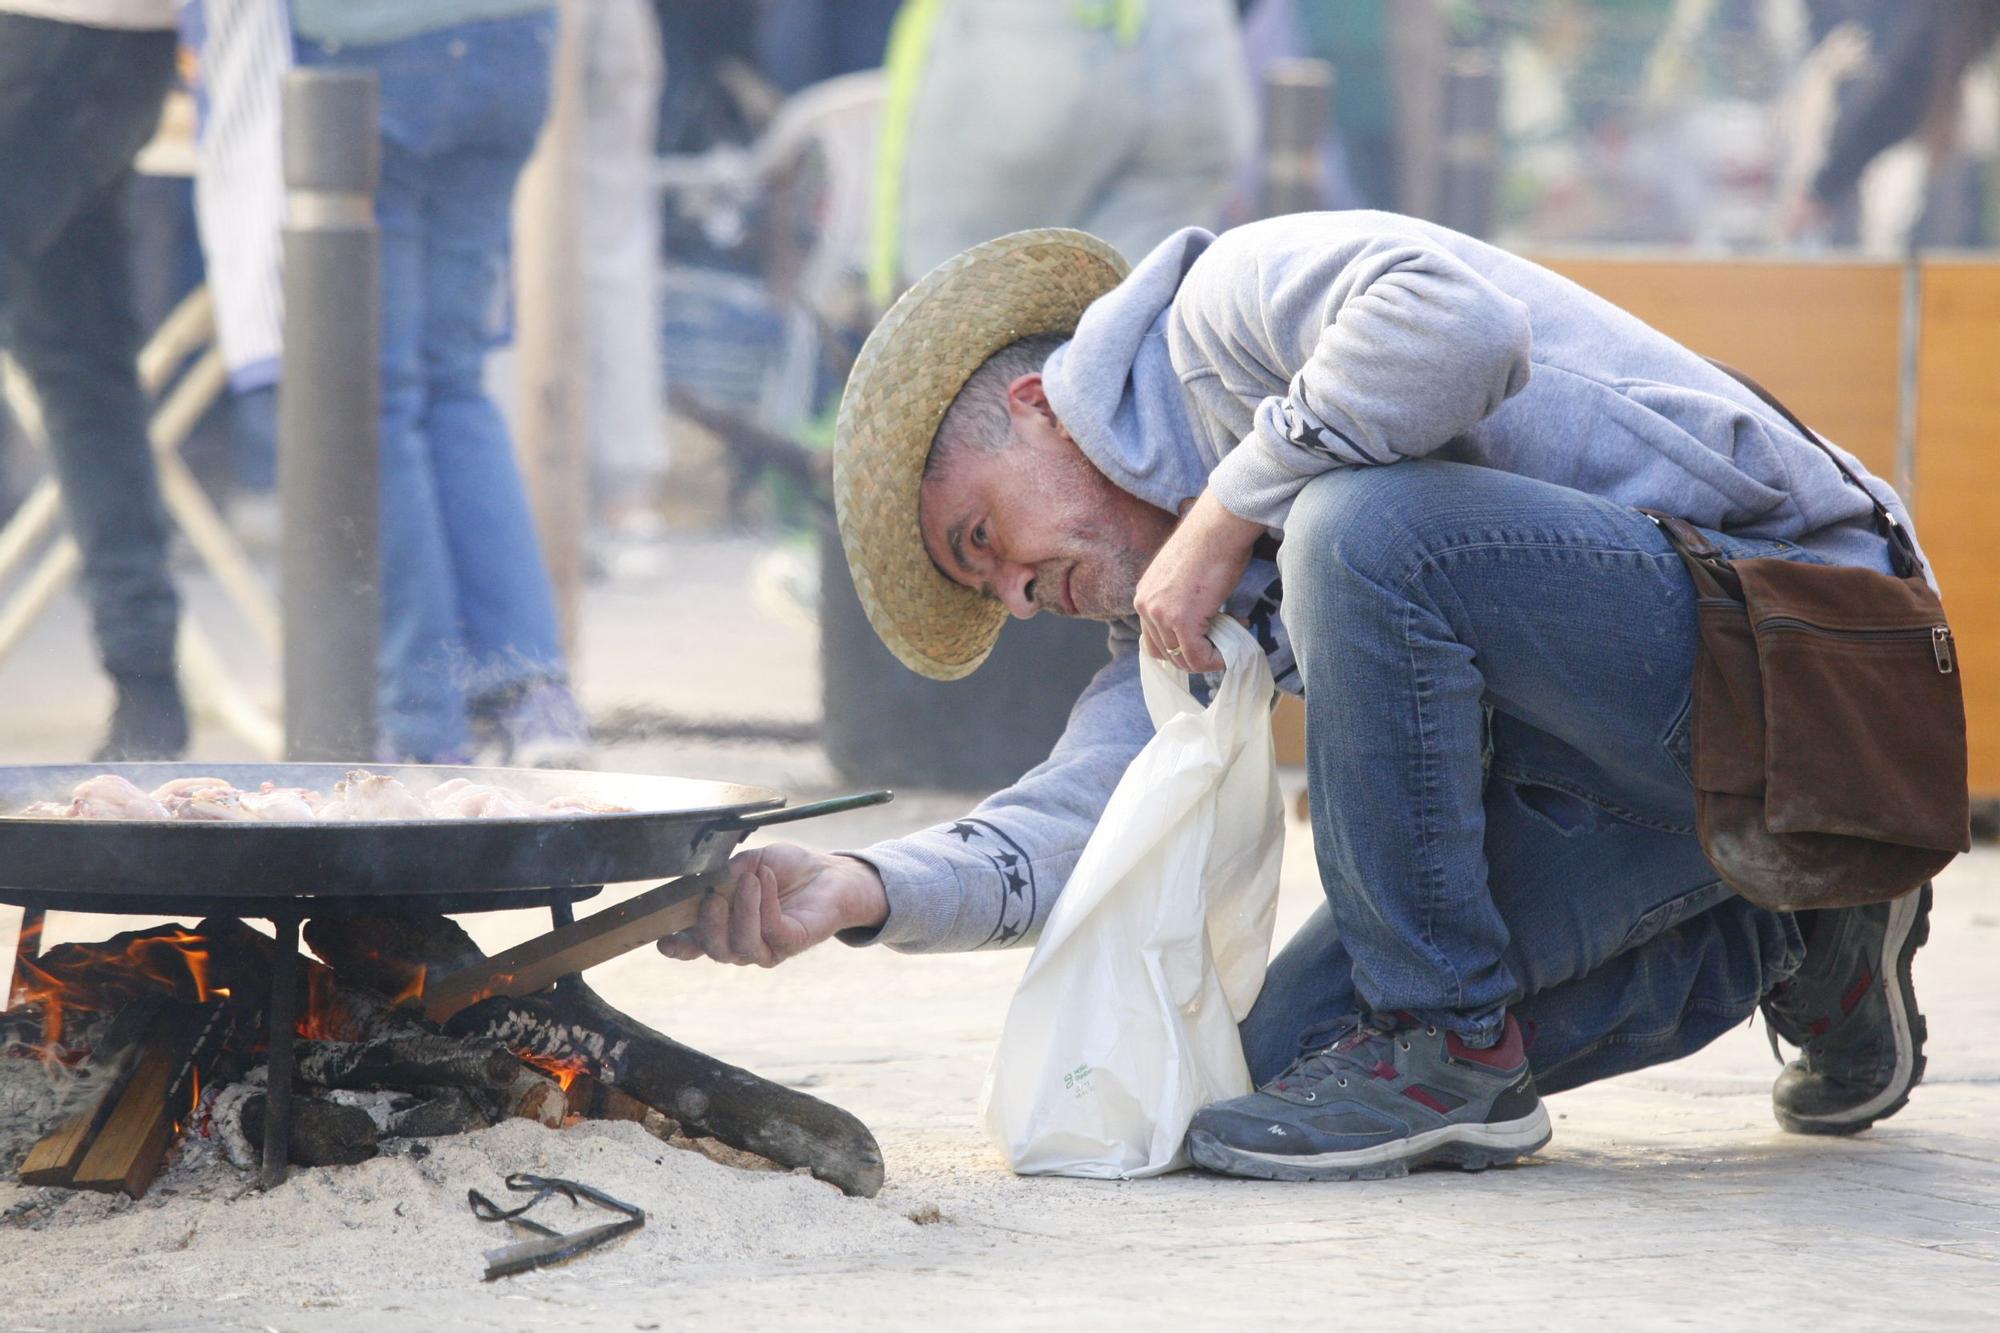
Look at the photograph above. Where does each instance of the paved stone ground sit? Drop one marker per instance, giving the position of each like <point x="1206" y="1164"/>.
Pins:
<point x="1667" y="1199"/>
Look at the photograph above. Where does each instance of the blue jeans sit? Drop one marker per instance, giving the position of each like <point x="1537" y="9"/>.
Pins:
<point x="1497" y="701"/>
<point x="466" y="602"/>
<point x="75" y="104"/>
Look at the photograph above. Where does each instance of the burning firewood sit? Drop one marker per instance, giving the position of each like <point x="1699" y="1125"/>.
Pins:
<point x="183" y="1042"/>
<point x="53" y="1160"/>
<point x="190" y="1005"/>
<point x="706" y="1096"/>
<point x="390" y="955"/>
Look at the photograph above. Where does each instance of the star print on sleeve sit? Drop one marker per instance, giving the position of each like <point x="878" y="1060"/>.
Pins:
<point x="1020" y="893"/>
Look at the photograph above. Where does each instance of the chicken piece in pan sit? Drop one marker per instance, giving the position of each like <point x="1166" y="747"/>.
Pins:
<point x="366" y="795"/>
<point x="283" y="804"/>
<point x="462" y="798"/>
<point x="108" y="796"/>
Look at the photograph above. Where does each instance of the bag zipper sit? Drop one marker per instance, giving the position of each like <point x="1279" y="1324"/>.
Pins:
<point x="1939" y="635"/>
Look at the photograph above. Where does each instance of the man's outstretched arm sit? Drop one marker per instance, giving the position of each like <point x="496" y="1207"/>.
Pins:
<point x="986" y="880"/>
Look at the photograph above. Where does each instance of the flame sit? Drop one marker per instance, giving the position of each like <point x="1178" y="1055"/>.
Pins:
<point x="105" y="976"/>
<point x="563" y="1071"/>
<point x="413" y="992"/>
<point x="328" y="1017"/>
<point x="325" y="1017"/>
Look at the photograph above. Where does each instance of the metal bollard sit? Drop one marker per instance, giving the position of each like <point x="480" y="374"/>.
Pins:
<point x="329" y="413"/>
<point x="1298" y="101"/>
<point x="1469" y="187"/>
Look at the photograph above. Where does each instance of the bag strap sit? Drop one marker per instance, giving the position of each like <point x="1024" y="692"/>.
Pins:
<point x="1706" y="564"/>
<point x="1902" y="550"/>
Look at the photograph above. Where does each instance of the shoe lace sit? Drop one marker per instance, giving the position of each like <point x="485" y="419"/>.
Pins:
<point x="1353" y="1042"/>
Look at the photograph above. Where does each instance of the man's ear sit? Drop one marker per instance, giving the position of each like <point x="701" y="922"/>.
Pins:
<point x="1026" y="397"/>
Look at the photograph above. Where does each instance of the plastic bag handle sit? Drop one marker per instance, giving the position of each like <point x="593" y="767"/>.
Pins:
<point x="1166" y="686"/>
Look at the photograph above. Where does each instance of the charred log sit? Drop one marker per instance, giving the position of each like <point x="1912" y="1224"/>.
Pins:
<point x="323" y="1133"/>
<point x="408" y="1060"/>
<point x="706" y="1096"/>
<point x="391" y="955"/>
<point x="590" y="1099"/>
<point x="446" y="1111"/>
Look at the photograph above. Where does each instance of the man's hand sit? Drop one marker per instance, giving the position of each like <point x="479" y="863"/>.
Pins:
<point x="1190" y="579"/>
<point x="778" y="901"/>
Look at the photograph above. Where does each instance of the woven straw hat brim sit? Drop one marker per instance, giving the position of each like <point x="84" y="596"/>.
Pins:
<point x="909" y="370"/>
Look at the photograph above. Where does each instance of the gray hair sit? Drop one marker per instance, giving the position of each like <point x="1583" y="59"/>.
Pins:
<point x="977" y="420"/>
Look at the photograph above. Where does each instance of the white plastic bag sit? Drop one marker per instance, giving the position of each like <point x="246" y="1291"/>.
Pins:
<point x="1124" y="1024"/>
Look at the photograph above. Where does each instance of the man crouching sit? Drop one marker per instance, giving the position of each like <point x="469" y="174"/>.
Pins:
<point x="1413" y="464"/>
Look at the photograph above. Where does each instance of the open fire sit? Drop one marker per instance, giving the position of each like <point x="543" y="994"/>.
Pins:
<point x="112" y="1053"/>
<point x="149" y="1035"/>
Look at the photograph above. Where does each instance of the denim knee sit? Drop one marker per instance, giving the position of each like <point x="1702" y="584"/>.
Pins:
<point x="1358" y="527"/>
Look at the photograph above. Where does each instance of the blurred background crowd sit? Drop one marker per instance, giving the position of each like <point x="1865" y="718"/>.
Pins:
<point x="730" y="193"/>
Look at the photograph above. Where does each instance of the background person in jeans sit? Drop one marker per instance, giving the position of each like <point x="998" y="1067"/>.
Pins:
<point x="470" y="649"/>
<point x="81" y="83"/>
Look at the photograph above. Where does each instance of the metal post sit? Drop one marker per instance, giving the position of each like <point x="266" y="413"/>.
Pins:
<point x="1469" y="160"/>
<point x="283" y="1008"/>
<point x="1298" y="102"/>
<point x="1419" y="37"/>
<point x="550" y="366"/>
<point x="1911" y="341"/>
<point x="329" y="409"/>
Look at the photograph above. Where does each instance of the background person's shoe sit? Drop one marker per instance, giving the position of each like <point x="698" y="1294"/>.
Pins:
<point x="537" y="725"/>
<point x="1852" y="1012"/>
<point x="149" y="722"/>
<point x="1387" y="1096"/>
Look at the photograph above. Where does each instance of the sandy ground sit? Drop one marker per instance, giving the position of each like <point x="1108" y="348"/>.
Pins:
<point x="1667" y="1198"/>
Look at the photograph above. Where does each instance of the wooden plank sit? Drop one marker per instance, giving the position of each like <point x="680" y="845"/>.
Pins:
<point x="1825" y="337"/>
<point x="54" y="1160"/>
<point x="598" y="938"/>
<point x="128" y="1150"/>
<point x="1958" y="476"/>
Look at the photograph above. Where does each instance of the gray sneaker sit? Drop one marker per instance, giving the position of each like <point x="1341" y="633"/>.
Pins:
<point x="1852" y="1012"/>
<point x="1386" y="1096"/>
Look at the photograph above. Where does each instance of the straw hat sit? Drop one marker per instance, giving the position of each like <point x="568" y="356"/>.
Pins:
<point x="909" y="370"/>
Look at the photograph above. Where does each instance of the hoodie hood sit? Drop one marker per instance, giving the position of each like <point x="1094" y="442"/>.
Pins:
<point x="1114" y="388"/>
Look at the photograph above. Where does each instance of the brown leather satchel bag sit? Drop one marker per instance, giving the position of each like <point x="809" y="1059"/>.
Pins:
<point x="1829" y="726"/>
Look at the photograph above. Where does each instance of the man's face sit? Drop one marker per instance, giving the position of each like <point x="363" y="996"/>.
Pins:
<point x="1036" y="525"/>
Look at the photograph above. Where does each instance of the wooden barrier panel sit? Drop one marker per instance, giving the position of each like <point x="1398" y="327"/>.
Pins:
<point x="1824" y="336"/>
<point x="1958" y="482"/>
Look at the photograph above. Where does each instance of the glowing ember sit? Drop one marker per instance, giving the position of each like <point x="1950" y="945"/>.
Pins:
<point x="564" y="1072"/>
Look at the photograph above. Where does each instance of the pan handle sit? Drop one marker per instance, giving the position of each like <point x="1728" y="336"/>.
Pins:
<point x="786" y="814"/>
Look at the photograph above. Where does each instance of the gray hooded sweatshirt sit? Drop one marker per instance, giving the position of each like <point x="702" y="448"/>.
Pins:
<point x="1250" y="363"/>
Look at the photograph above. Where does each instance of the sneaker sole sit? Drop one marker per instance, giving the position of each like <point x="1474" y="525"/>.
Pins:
<point x="1467" y="1147"/>
<point x="1909" y="929"/>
